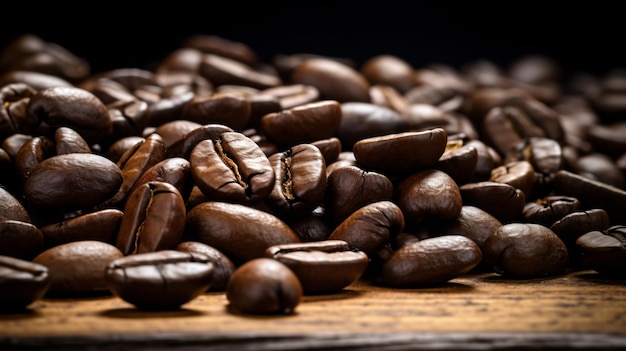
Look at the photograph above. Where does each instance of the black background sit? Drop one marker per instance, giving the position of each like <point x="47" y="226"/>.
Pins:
<point x="586" y="38"/>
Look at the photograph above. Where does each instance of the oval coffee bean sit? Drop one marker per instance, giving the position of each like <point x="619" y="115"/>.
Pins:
<point x="162" y="280"/>
<point x="263" y="286"/>
<point x="525" y="250"/>
<point x="242" y="233"/>
<point x="604" y="251"/>
<point x="371" y="227"/>
<point x="322" y="267"/>
<point x="102" y="225"/>
<point x="77" y="268"/>
<point x="154" y="219"/>
<point x="430" y="261"/>
<point x="22" y="282"/>
<point x="20" y="239"/>
<point x="398" y="153"/>
<point x="72" y="182"/>
<point x="223" y="266"/>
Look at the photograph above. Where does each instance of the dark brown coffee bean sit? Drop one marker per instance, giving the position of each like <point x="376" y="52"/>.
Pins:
<point x="389" y="70"/>
<point x="162" y="280"/>
<point x="183" y="146"/>
<point x="507" y="126"/>
<point x="212" y="44"/>
<point x="30" y="155"/>
<point x="371" y="227"/>
<point x="472" y="222"/>
<point x="293" y="95"/>
<point x="11" y="208"/>
<point x="303" y="123"/>
<point x="389" y="97"/>
<point x="604" y="251"/>
<point x="263" y="286"/>
<point x="228" y="109"/>
<point x="600" y="167"/>
<point x="518" y="174"/>
<point x="20" y="239"/>
<point x="77" y="268"/>
<point x="154" y="219"/>
<point x="350" y="188"/>
<point x="223" y="266"/>
<point x="173" y="170"/>
<point x="100" y="225"/>
<point x="459" y="161"/>
<point x="360" y="120"/>
<point x="300" y="183"/>
<point x="322" y="267"/>
<point x="13" y="117"/>
<point x="240" y="232"/>
<point x="72" y="182"/>
<point x="395" y="153"/>
<point x="330" y="148"/>
<point x="22" y="282"/>
<point x="232" y="168"/>
<point x="68" y="141"/>
<point x="525" y="250"/>
<point x="427" y="196"/>
<point x="35" y="80"/>
<point x="313" y="227"/>
<point x="547" y="210"/>
<point x="120" y="146"/>
<point x="501" y="200"/>
<point x="488" y="159"/>
<point x="592" y="194"/>
<point x="128" y="118"/>
<point x="573" y="225"/>
<point x="72" y="107"/>
<point x="221" y="70"/>
<point x="430" y="262"/>
<point x="608" y="138"/>
<point x="333" y="79"/>
<point x="174" y="130"/>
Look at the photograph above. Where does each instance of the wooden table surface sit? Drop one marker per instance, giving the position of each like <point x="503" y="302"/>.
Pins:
<point x="478" y="311"/>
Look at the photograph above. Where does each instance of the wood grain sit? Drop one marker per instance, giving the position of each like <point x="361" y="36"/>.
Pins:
<point x="479" y="311"/>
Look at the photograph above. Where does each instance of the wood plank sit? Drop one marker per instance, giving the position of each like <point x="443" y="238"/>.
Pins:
<point x="475" y="311"/>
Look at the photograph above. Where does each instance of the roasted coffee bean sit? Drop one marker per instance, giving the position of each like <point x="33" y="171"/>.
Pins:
<point x="314" y="227"/>
<point x="72" y="107"/>
<point x="360" y="120"/>
<point x="302" y="124"/>
<point x="293" y="95"/>
<point x="573" y="225"/>
<point x="242" y="233"/>
<point x="604" y="251"/>
<point x="389" y="70"/>
<point x="387" y="96"/>
<point x="22" y="282"/>
<point x="600" y="167"/>
<point x="370" y="227"/>
<point x="183" y="146"/>
<point x="333" y="79"/>
<point x="212" y="44"/>
<point x="430" y="262"/>
<point x="13" y="143"/>
<point x="13" y="117"/>
<point x="72" y="182"/>
<point x="488" y="159"/>
<point x="120" y="146"/>
<point x="608" y="138"/>
<point x="222" y="70"/>
<point x="330" y="148"/>
<point x="154" y="219"/>
<point x="428" y="195"/>
<point x="133" y="164"/>
<point x="232" y="168"/>
<point x="68" y="141"/>
<point x="350" y="188"/>
<point x="174" y="130"/>
<point x="162" y="280"/>
<point x="11" y="208"/>
<point x="228" y="109"/>
<point x="30" y="155"/>
<point x="592" y="194"/>
<point x="300" y="183"/>
<point x="20" y="239"/>
<point x="322" y="267"/>
<point x="35" y="80"/>
<point x="518" y="174"/>
<point x="501" y="200"/>
<point x="77" y="268"/>
<point x="525" y="250"/>
<point x="263" y="286"/>
<point x="223" y="266"/>
<point x="547" y="210"/>
<point x="472" y="222"/>
<point x="395" y="153"/>
<point x="459" y="162"/>
<point x="128" y="118"/>
<point x="172" y="170"/>
<point x="505" y="127"/>
<point x="102" y="225"/>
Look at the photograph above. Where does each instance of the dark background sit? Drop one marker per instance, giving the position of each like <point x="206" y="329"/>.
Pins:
<point x="586" y="38"/>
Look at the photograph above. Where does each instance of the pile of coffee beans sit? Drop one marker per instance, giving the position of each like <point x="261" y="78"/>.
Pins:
<point x="214" y="171"/>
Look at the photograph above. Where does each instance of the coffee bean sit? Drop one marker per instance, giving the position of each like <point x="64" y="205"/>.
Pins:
<point x="22" y="282"/>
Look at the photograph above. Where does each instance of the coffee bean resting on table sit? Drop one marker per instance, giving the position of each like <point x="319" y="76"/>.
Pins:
<point x="212" y="169"/>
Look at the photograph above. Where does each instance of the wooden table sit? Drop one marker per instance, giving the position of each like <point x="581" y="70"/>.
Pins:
<point x="478" y="311"/>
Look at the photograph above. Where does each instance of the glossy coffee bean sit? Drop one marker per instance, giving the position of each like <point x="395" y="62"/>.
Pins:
<point x="232" y="168"/>
<point x="430" y="262"/>
<point x="102" y="225"/>
<point x="389" y="70"/>
<point x="395" y="153"/>
<point x="322" y="267"/>
<point x="300" y="183"/>
<point x="11" y="208"/>
<point x="263" y="286"/>
<point x="162" y="280"/>
<point x="22" y="282"/>
<point x="472" y="222"/>
<point x="20" y="239"/>
<point x="183" y="146"/>
<point x="72" y="181"/>
<point x="154" y="219"/>
<point x="172" y="170"/>
<point x="360" y="120"/>
<point x="222" y="70"/>
<point x="242" y="233"/>
<point x="223" y="266"/>
<point x="370" y="227"/>
<point x="518" y="174"/>
<point x="68" y="141"/>
<point x="429" y="195"/>
<point x="547" y="210"/>
<point x="525" y="250"/>
<point x="77" y="268"/>
<point x="604" y="251"/>
<point x="230" y="110"/>
<point x="459" y="162"/>
<point x="501" y="200"/>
